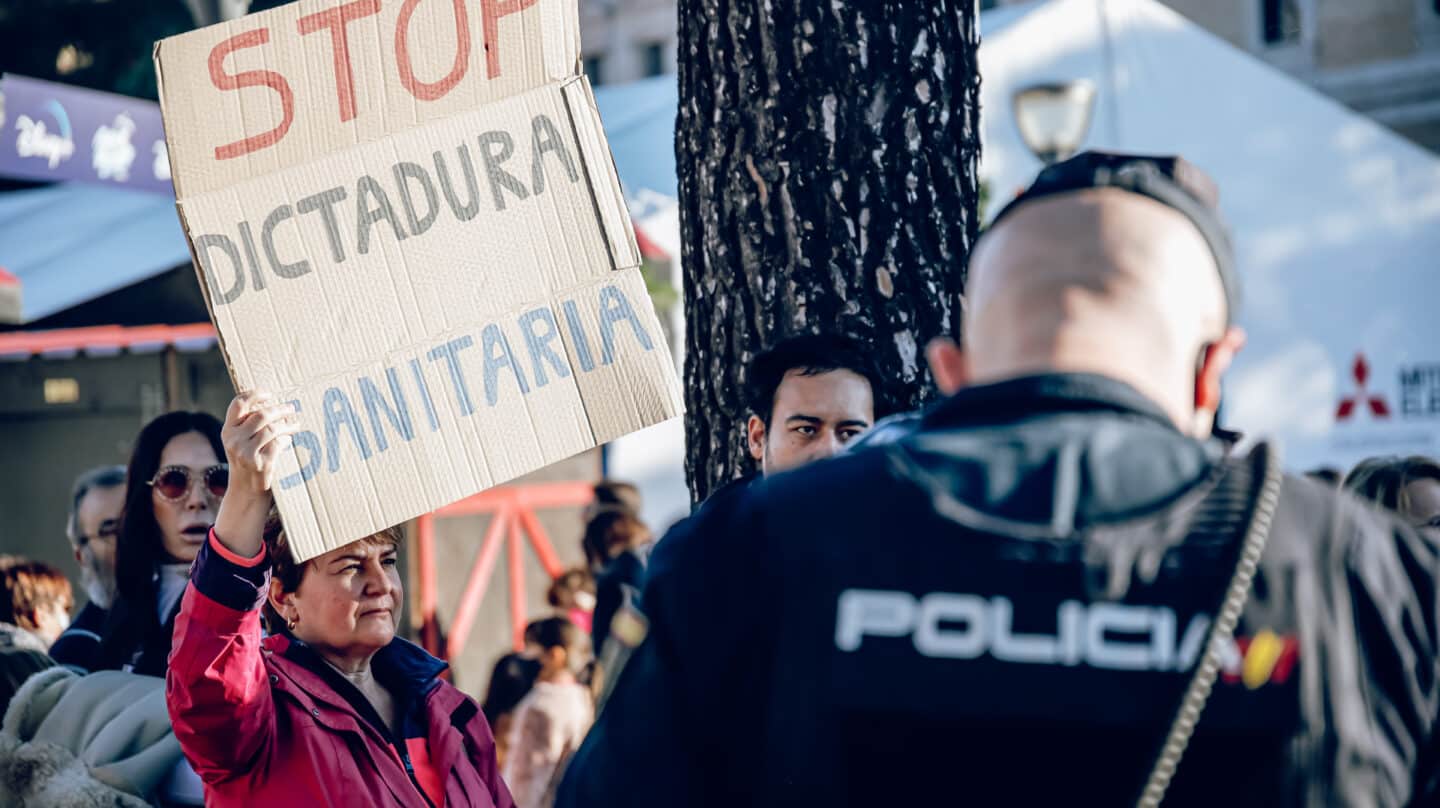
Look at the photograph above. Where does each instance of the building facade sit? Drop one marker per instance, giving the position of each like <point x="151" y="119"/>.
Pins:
<point x="1378" y="57"/>
<point x="627" y="40"/>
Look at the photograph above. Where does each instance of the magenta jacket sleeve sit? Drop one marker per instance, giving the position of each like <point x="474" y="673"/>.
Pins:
<point x="216" y="687"/>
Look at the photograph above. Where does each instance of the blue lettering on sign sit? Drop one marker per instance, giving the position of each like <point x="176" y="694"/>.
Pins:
<point x="311" y="443"/>
<point x="398" y="416"/>
<point x="387" y="407"/>
<point x="338" y="413"/>
<point x="539" y="345"/>
<point x="582" y="345"/>
<point x="493" y="338"/>
<point x="614" y="308"/>
<point x="425" y="398"/>
<point x="450" y="352"/>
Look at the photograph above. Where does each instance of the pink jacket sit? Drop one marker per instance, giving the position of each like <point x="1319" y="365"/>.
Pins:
<point x="261" y="728"/>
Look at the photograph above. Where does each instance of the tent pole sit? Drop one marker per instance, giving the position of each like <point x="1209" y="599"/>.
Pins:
<point x="1112" y="85"/>
<point x="172" y="379"/>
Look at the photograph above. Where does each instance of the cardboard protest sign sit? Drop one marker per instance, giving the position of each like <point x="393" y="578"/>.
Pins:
<point x="407" y="221"/>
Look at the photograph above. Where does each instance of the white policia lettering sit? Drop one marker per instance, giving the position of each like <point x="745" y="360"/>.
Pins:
<point x="1113" y="636"/>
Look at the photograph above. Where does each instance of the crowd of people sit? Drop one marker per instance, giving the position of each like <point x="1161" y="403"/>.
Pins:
<point x="1062" y="579"/>
<point x="1062" y="583"/>
<point x="143" y="534"/>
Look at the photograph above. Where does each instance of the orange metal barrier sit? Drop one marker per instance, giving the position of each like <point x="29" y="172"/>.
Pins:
<point x="512" y="510"/>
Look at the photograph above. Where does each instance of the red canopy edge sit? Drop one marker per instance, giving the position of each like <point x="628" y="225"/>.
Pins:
<point x="102" y="340"/>
<point x="648" y="248"/>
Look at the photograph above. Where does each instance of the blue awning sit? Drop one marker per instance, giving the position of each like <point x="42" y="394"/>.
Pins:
<point x="71" y="243"/>
<point x="639" y="119"/>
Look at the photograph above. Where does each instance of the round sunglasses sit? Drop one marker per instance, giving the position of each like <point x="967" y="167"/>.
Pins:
<point x="173" y="482"/>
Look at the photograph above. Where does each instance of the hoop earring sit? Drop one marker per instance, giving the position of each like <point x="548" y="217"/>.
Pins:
<point x="290" y="624"/>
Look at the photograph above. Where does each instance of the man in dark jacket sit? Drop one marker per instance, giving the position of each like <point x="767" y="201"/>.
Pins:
<point x="1009" y="606"/>
<point x="92" y="524"/>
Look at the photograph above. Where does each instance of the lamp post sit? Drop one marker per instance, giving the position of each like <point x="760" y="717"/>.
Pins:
<point x="1054" y="117"/>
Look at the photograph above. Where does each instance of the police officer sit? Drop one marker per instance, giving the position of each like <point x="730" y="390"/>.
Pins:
<point x="1059" y="589"/>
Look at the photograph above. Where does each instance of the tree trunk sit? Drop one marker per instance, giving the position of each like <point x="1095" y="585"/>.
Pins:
<point x="827" y="153"/>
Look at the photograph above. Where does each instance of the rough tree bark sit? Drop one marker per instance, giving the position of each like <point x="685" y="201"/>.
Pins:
<point x="827" y="153"/>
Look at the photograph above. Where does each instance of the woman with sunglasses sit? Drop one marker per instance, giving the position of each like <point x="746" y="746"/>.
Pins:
<point x="173" y="488"/>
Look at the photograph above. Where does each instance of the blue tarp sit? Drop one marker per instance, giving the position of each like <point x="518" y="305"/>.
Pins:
<point x="639" y="120"/>
<point x="74" y="242"/>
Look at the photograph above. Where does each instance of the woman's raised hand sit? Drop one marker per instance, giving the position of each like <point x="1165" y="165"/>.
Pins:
<point x="257" y="429"/>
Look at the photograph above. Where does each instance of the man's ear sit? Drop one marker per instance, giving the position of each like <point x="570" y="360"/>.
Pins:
<point x="755" y="437"/>
<point x="1213" y="364"/>
<point x="948" y="365"/>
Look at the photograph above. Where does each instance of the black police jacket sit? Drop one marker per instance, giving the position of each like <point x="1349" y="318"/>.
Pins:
<point x="1005" y="609"/>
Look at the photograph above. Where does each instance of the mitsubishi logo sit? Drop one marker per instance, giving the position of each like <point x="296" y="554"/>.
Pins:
<point x="1348" y="405"/>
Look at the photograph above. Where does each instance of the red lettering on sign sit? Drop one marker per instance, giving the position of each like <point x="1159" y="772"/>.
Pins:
<point x="429" y="91"/>
<point x="336" y="19"/>
<point x="492" y="11"/>
<point x="251" y="78"/>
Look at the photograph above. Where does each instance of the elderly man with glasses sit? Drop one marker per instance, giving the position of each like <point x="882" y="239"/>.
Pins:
<point x="91" y="525"/>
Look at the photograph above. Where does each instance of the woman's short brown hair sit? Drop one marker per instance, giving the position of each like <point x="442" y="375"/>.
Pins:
<point x="285" y="569"/>
<point x="31" y="587"/>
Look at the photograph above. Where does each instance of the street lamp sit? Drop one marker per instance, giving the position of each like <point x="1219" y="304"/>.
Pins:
<point x="1054" y="117"/>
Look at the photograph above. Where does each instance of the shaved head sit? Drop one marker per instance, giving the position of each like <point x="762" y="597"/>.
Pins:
<point x="1100" y="281"/>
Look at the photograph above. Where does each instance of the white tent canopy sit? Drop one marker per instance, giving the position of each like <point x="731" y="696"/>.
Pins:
<point x="1336" y="221"/>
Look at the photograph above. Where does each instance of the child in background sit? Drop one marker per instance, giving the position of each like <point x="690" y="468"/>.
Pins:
<point x="573" y="596"/>
<point x="510" y="682"/>
<point x="553" y="718"/>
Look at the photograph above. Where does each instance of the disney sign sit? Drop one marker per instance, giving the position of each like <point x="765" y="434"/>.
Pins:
<point x="56" y="132"/>
<point x="36" y="140"/>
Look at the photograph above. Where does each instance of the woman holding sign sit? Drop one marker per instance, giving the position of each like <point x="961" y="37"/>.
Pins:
<point x="333" y="708"/>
